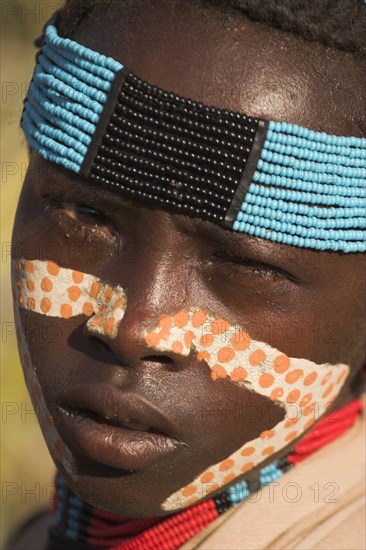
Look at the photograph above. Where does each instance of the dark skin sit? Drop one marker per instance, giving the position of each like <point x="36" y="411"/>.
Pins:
<point x="307" y="304"/>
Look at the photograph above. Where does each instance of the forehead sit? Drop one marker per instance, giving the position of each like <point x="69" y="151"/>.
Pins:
<point x="223" y="59"/>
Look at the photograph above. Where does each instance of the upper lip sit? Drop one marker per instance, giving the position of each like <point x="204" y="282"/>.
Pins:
<point x="118" y="406"/>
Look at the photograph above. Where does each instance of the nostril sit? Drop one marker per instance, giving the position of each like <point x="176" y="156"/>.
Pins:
<point x="99" y="344"/>
<point x="94" y="341"/>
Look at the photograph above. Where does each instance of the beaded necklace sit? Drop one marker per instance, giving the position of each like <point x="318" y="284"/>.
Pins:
<point x="78" y="526"/>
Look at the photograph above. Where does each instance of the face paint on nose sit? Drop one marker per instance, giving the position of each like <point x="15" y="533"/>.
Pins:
<point x="46" y="288"/>
<point x="301" y="387"/>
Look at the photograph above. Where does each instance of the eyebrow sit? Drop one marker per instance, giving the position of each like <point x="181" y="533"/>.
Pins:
<point x="196" y="228"/>
<point x="93" y="192"/>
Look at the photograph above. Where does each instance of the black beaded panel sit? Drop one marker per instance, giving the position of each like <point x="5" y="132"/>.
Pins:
<point x="171" y="150"/>
<point x="283" y="463"/>
<point x="222" y="501"/>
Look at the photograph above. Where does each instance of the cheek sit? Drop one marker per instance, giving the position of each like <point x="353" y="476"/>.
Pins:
<point x="45" y="288"/>
<point x="57" y="448"/>
<point x="303" y="388"/>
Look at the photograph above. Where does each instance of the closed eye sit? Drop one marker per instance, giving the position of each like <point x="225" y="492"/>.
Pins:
<point x="264" y="268"/>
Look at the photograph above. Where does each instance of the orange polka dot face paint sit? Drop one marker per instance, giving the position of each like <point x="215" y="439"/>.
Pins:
<point x="224" y="366"/>
<point x="46" y="288"/>
<point x="301" y="387"/>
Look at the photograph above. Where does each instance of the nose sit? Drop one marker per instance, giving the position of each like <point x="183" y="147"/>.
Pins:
<point x="151" y="290"/>
<point x="130" y="348"/>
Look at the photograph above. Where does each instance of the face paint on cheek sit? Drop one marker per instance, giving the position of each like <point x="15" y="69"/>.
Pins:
<point x="48" y="289"/>
<point x="45" y="288"/>
<point x="301" y="387"/>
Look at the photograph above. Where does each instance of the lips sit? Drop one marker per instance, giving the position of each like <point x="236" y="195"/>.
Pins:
<point x="115" y="428"/>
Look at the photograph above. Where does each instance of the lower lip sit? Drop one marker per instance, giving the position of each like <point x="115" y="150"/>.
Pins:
<point x="114" y="446"/>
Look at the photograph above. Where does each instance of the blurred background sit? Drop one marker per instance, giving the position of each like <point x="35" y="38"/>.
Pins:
<point x="26" y="469"/>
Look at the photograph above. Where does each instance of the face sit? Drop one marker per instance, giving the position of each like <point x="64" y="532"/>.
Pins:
<point x="121" y="356"/>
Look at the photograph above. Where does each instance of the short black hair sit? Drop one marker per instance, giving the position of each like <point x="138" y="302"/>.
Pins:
<point x="336" y="23"/>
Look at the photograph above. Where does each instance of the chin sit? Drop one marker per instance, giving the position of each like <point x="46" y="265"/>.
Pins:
<point x="129" y="493"/>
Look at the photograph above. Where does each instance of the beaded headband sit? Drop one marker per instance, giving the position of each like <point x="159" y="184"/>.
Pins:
<point x="273" y="180"/>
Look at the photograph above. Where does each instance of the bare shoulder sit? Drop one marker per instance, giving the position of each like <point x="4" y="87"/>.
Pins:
<point x="33" y="535"/>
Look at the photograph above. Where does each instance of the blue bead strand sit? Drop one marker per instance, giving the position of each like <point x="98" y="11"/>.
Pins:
<point x="260" y="192"/>
<point x="82" y="63"/>
<point x="317" y="233"/>
<point x="74" y="83"/>
<point x="285" y="166"/>
<point x="358" y="190"/>
<point x="48" y="110"/>
<point x="294" y="129"/>
<point x="44" y="150"/>
<point x="309" y="190"/>
<point x="306" y="175"/>
<point x="302" y="242"/>
<point x="238" y="492"/>
<point x="49" y="81"/>
<point x="298" y="219"/>
<point x="50" y="143"/>
<point x="89" y="117"/>
<point x="274" y="139"/>
<point x="55" y="133"/>
<point x="83" y="75"/>
<point x="241" y="491"/>
<point x="270" y="473"/>
<point x="345" y="156"/>
<point x="77" y="49"/>
<point x="305" y="209"/>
